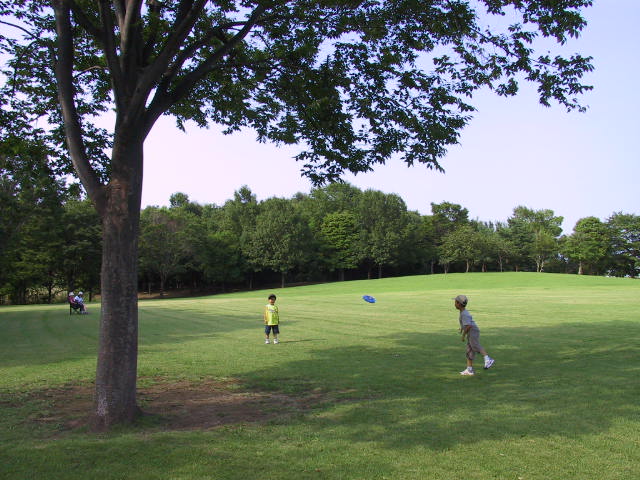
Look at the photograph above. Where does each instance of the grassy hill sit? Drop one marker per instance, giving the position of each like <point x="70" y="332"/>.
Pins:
<point x="353" y="391"/>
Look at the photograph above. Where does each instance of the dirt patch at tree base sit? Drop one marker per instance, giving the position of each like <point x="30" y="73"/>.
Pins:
<point x="181" y="405"/>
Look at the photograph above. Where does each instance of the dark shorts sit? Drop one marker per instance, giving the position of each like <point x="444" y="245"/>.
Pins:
<point x="271" y="328"/>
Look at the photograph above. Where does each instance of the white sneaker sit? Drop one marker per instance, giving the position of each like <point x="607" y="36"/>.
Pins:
<point x="275" y="340"/>
<point x="467" y="372"/>
<point x="488" y="363"/>
<point x="266" y="341"/>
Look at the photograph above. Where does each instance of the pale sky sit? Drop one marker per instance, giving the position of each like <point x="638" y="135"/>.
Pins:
<point x="514" y="152"/>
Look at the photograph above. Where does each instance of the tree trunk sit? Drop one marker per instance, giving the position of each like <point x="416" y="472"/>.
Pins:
<point x="115" y="400"/>
<point x="580" y="268"/>
<point x="162" y="283"/>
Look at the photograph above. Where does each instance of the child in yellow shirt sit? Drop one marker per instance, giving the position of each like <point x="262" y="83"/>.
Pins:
<point x="271" y="319"/>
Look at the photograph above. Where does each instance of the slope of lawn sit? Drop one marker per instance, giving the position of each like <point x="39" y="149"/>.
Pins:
<point x="353" y="391"/>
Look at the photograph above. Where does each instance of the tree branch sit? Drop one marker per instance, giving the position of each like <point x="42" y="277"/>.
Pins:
<point x="109" y="48"/>
<point x="85" y="22"/>
<point x="164" y="99"/>
<point x="73" y="129"/>
<point x="180" y="30"/>
<point x="155" y="7"/>
<point x="187" y="52"/>
<point x="19" y="28"/>
<point x="128" y="15"/>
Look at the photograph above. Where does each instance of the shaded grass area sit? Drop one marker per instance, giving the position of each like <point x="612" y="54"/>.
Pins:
<point x="560" y="403"/>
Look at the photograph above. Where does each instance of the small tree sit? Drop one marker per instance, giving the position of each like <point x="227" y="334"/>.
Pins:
<point x="624" y="229"/>
<point x="462" y="245"/>
<point x="505" y="250"/>
<point x="162" y="252"/>
<point x="82" y="251"/>
<point x="589" y="245"/>
<point x="383" y="219"/>
<point x="279" y="238"/>
<point x="533" y="232"/>
<point x="340" y="233"/>
<point x="544" y="247"/>
<point x="428" y="248"/>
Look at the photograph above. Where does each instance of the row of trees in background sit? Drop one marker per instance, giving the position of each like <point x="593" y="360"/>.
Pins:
<point x="340" y="232"/>
<point x="50" y="240"/>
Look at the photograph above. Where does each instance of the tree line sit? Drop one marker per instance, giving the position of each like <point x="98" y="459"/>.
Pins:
<point x="51" y="240"/>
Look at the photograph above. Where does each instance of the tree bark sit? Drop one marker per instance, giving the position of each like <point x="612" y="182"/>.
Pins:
<point x="115" y="399"/>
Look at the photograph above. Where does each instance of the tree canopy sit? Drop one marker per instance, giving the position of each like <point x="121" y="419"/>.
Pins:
<point x="354" y="82"/>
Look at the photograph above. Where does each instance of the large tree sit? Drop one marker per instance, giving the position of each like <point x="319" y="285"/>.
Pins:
<point x="354" y="82"/>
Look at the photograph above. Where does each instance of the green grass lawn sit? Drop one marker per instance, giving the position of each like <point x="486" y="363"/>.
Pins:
<point x="353" y="391"/>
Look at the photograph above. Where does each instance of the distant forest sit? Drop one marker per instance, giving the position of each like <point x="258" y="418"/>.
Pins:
<point x="50" y="241"/>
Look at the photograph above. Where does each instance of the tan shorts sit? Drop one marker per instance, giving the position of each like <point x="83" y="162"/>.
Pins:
<point x="473" y="344"/>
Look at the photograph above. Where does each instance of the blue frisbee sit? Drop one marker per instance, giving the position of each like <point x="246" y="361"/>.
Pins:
<point x="369" y="299"/>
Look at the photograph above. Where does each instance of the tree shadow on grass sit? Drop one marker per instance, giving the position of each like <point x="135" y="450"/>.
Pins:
<point x="41" y="336"/>
<point x="544" y="382"/>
